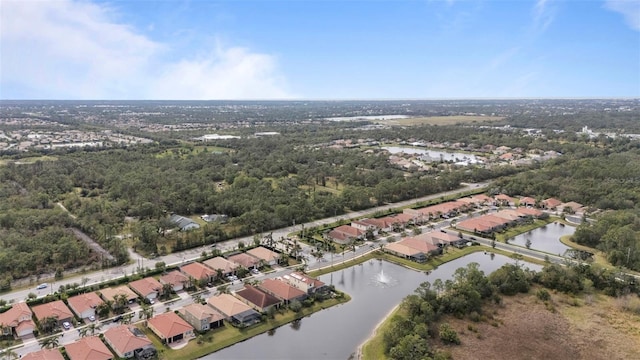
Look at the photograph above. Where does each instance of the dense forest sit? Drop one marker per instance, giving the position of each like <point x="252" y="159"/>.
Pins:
<point x="421" y="322"/>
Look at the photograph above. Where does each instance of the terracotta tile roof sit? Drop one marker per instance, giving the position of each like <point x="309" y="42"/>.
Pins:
<point x="228" y="305"/>
<point x="281" y="289"/>
<point x="88" y="348"/>
<point x="402" y="249"/>
<point x="13" y="316"/>
<point x="174" y="278"/>
<point x="257" y="297"/>
<point x="123" y="340"/>
<point x="245" y="260"/>
<point x="44" y="354"/>
<point x="201" y="312"/>
<point x="527" y="201"/>
<point x="529" y="211"/>
<point x="146" y="286"/>
<point x="110" y="293"/>
<point x="197" y="271"/>
<point x="503" y="197"/>
<point x="169" y="324"/>
<point x="81" y="303"/>
<point x="264" y="254"/>
<point x="349" y="230"/>
<point x="55" y="309"/>
<point x="221" y="263"/>
<point x="418" y="244"/>
<point x="551" y="203"/>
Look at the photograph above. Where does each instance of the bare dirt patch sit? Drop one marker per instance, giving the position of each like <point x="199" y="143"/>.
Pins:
<point x="523" y="327"/>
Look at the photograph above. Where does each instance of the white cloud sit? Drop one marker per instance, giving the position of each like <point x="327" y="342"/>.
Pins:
<point x="630" y="9"/>
<point x="68" y="49"/>
<point x="543" y="15"/>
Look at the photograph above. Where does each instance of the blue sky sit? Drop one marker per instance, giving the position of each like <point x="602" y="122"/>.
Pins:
<point x="304" y="49"/>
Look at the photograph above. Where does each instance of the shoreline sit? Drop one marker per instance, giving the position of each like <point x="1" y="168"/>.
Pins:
<point x="358" y="352"/>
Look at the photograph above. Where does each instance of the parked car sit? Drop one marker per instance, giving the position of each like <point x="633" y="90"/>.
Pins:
<point x="255" y="271"/>
<point x="66" y="325"/>
<point x="117" y="318"/>
<point x="41" y="286"/>
<point x="92" y="318"/>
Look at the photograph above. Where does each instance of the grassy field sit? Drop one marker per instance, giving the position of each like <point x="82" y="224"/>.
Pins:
<point x="28" y="160"/>
<point x="440" y="120"/>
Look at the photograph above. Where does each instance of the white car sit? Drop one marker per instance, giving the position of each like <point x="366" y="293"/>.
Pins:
<point x="66" y="325"/>
<point x="41" y="286"/>
<point x="92" y="318"/>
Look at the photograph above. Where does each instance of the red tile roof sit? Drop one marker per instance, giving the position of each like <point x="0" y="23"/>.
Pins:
<point x="169" y="324"/>
<point x="228" y="305"/>
<point x="55" y="309"/>
<point x="146" y="286"/>
<point x="44" y="354"/>
<point x="88" y="348"/>
<point x="257" y="297"/>
<point x="81" y="303"/>
<point x="245" y="260"/>
<point x="197" y="271"/>
<point x="174" y="278"/>
<point x="123" y="340"/>
<point x="281" y="289"/>
<point x="19" y="312"/>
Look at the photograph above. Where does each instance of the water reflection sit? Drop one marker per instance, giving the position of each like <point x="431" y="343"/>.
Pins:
<point x="546" y="238"/>
<point x="337" y="332"/>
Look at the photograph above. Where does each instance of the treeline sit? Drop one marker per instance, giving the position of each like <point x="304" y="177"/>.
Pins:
<point x="412" y="332"/>
<point x="605" y="180"/>
<point x="617" y="233"/>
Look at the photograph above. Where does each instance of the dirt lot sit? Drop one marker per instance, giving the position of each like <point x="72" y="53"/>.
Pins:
<point x="523" y="327"/>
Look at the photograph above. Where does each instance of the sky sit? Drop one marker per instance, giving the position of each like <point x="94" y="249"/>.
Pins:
<point x="307" y="49"/>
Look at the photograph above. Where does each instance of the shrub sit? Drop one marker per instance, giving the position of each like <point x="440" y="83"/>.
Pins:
<point x="448" y="334"/>
<point x="543" y="295"/>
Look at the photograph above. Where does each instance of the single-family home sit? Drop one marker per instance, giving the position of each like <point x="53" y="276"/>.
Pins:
<point x="305" y="283"/>
<point x="527" y="201"/>
<point x="88" y="348"/>
<point x="17" y="320"/>
<point x="505" y="200"/>
<point x="84" y="305"/>
<point x="235" y="311"/>
<point x="404" y="251"/>
<point x="267" y="256"/>
<point x="198" y="271"/>
<point x="550" y="203"/>
<point x="176" y="279"/>
<point x="245" y="260"/>
<point x="128" y="341"/>
<point x="202" y="317"/>
<point x="184" y="223"/>
<point x="148" y="288"/>
<point x="282" y="290"/>
<point x="44" y="354"/>
<point x="55" y="309"/>
<point x="170" y="327"/>
<point x="110" y="294"/>
<point x="571" y="207"/>
<point x="257" y="298"/>
<point x="226" y="267"/>
<point x="345" y="234"/>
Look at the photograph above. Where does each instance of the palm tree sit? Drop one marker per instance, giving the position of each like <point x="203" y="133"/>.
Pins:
<point x="146" y="312"/>
<point x="50" y="342"/>
<point x="48" y="324"/>
<point x="126" y="318"/>
<point x="9" y="354"/>
<point x="119" y="301"/>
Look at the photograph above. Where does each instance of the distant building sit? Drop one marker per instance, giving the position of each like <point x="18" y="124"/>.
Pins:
<point x="183" y="223"/>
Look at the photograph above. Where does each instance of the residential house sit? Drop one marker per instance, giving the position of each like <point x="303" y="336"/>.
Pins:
<point x="482" y="199"/>
<point x="198" y="271"/>
<point x="305" y="283"/>
<point x="226" y="267"/>
<point x="44" y="354"/>
<point x="17" y="320"/>
<point x="345" y="234"/>
<point x="267" y="256"/>
<point x="282" y="290"/>
<point x="170" y="327"/>
<point x="529" y="212"/>
<point x="202" y="317"/>
<point x="214" y="217"/>
<point x="484" y="224"/>
<point x="528" y="201"/>
<point x="56" y="309"/>
<point x="234" y="310"/>
<point x="128" y="341"/>
<point x="550" y="203"/>
<point x="110" y="294"/>
<point x="245" y="260"/>
<point x="441" y="239"/>
<point x="84" y="305"/>
<point x="176" y="279"/>
<point x="366" y="225"/>
<point x="88" y="348"/>
<point x="571" y="207"/>
<point x="184" y="223"/>
<point x="148" y="288"/>
<point x="257" y="298"/>
<point x="505" y="200"/>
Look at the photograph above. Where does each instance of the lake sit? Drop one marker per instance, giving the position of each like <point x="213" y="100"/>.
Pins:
<point x="336" y="333"/>
<point x="546" y="238"/>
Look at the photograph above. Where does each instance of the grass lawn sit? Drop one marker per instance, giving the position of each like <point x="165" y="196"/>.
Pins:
<point x="374" y="347"/>
<point x="28" y="160"/>
<point x="229" y="335"/>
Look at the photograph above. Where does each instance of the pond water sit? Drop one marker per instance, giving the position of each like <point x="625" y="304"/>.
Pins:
<point x="546" y="238"/>
<point x="434" y="155"/>
<point x="375" y="287"/>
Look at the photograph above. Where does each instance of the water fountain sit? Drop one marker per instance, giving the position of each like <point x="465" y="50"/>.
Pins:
<point x="381" y="277"/>
<point x="383" y="280"/>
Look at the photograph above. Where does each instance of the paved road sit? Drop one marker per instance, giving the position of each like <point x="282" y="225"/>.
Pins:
<point x="193" y="254"/>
